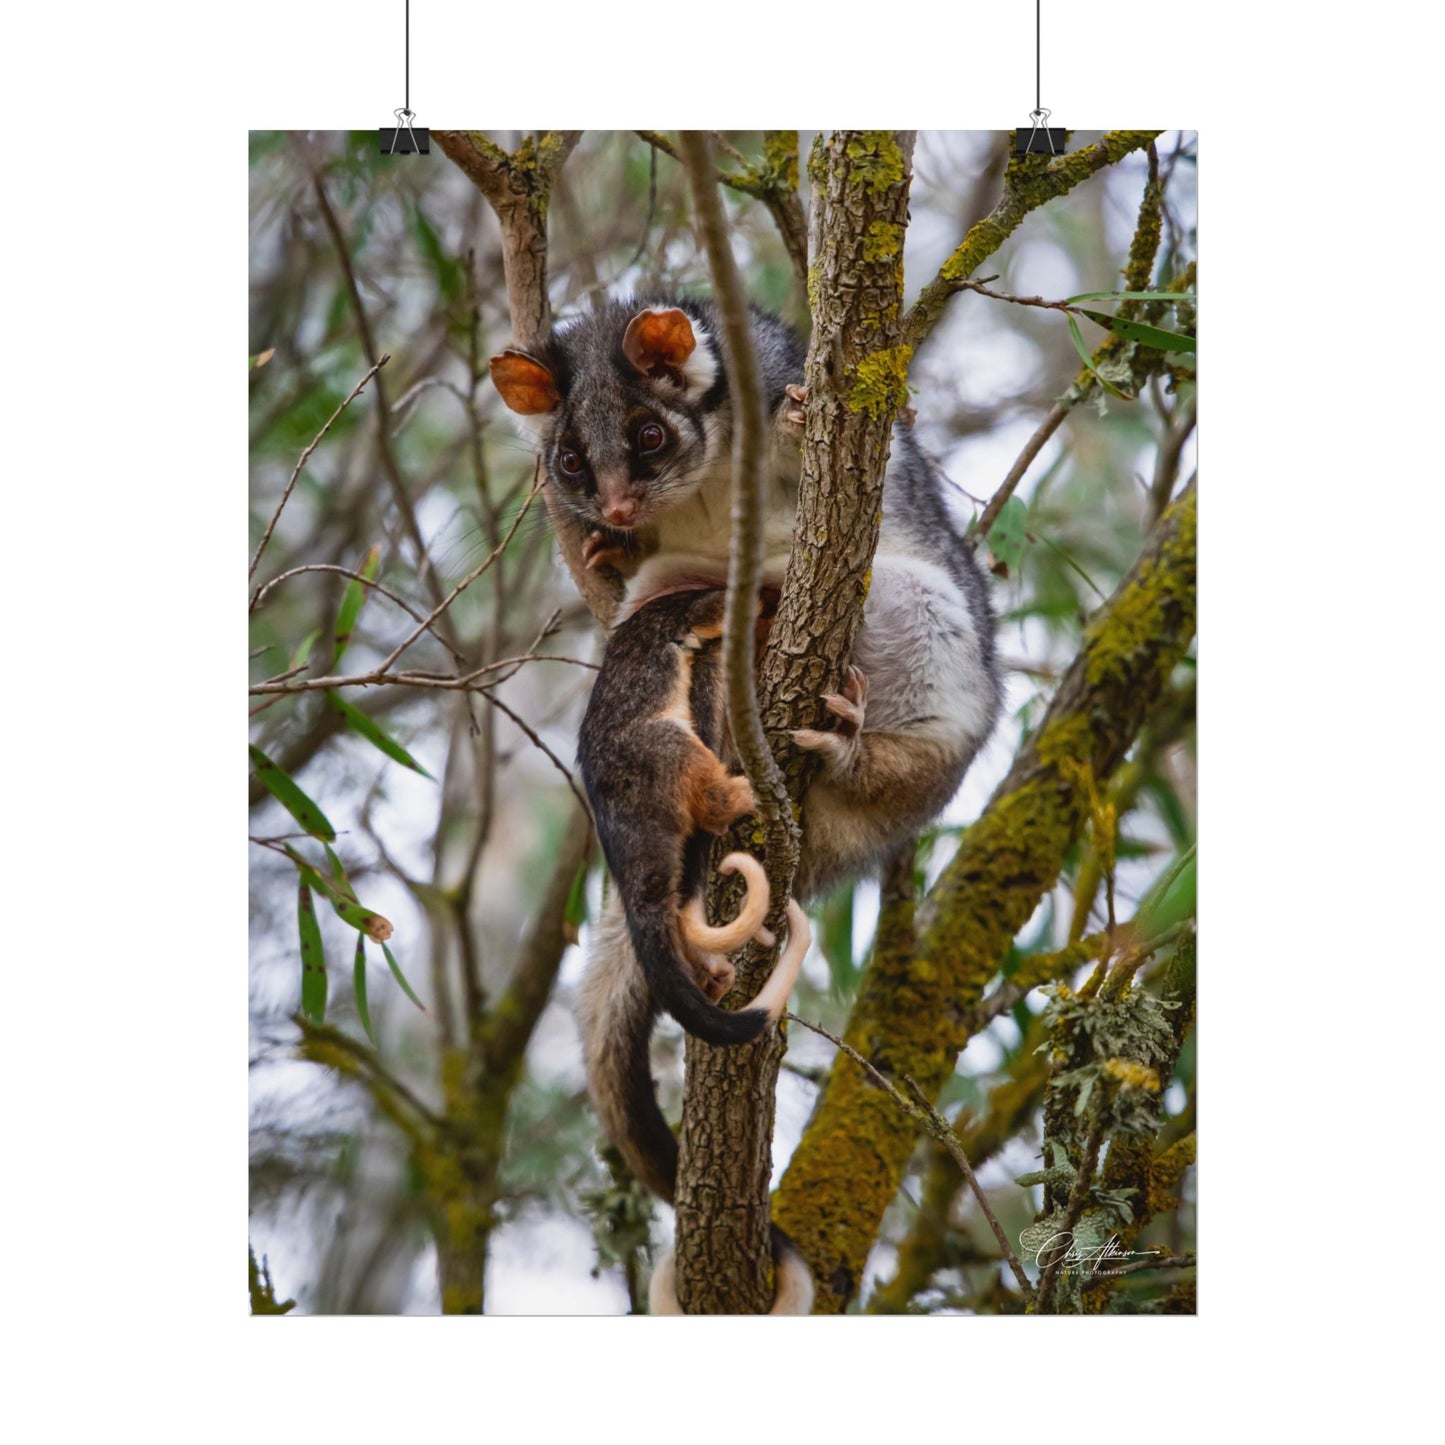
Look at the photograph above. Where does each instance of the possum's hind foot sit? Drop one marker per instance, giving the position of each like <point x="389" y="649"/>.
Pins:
<point x="839" y="746"/>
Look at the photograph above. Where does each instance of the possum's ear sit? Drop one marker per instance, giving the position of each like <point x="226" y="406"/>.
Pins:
<point x="526" y="385"/>
<point x="659" y="341"/>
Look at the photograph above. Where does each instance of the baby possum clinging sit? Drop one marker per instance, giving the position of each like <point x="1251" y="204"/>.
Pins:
<point x="649" y="753"/>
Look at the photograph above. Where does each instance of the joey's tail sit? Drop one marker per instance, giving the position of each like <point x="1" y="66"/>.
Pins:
<point x="658" y="933"/>
<point x="617" y="1007"/>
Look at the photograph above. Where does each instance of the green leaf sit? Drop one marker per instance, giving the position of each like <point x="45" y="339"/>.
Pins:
<point x="358" y="976"/>
<point x="302" y="653"/>
<point x="338" y="874"/>
<point x="372" y="732"/>
<point x="835" y="938"/>
<point x="339" y="895"/>
<point x="1172" y="897"/>
<point x="1143" y="333"/>
<point x="400" y="977"/>
<point x="1188" y="297"/>
<point x="575" y="914"/>
<point x="351" y="603"/>
<point x="1008" y="534"/>
<point x="313" y="959"/>
<point x="281" y="786"/>
<point x="1088" y="360"/>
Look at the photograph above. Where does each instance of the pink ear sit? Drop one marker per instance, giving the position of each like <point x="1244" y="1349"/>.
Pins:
<point x="525" y="384"/>
<point x="659" y="341"/>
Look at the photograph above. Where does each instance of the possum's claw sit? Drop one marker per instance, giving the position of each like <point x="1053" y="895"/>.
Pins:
<point x="840" y="744"/>
<point x="603" y="549"/>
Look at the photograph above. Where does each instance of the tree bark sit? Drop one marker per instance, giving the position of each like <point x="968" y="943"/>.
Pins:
<point x="855" y="375"/>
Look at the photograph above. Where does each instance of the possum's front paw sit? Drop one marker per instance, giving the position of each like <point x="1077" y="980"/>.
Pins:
<point x="840" y="745"/>
<point x="791" y="415"/>
<point x="606" y="549"/>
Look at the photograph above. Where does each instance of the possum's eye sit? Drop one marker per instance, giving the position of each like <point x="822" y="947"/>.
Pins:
<point x="650" y="438"/>
<point x="570" y="463"/>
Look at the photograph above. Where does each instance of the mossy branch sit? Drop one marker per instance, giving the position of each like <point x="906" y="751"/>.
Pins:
<point x="910" y="1015"/>
<point x="1029" y="182"/>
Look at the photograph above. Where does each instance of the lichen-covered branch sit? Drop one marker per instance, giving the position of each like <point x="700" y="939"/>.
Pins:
<point x="1029" y="182"/>
<point x="909" y="1017"/>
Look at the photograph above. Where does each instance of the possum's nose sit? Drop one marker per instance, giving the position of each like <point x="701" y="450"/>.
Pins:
<point x="621" y="511"/>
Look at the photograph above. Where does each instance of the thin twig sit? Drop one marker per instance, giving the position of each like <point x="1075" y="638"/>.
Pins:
<point x="745" y="555"/>
<point x="471" y="576"/>
<point x="389" y="464"/>
<point x="556" y="761"/>
<point x="1032" y="448"/>
<point x="445" y="682"/>
<point x="305" y="456"/>
<point x="262" y="592"/>
<point x="925" y="1114"/>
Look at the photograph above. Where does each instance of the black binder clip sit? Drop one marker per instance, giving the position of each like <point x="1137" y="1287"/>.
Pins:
<point x="1041" y="140"/>
<point x="402" y="139"/>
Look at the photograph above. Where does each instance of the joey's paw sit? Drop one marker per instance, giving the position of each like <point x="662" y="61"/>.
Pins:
<point x="715" y="976"/>
<point x="604" y="549"/>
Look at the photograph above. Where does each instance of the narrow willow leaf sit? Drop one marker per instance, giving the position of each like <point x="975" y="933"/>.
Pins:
<point x="283" y="788"/>
<point x="1008" y="534"/>
<point x="313" y="959"/>
<point x="1172" y="898"/>
<point x="400" y="977"/>
<point x="302" y="653"/>
<point x="358" y="976"/>
<point x="358" y="915"/>
<point x="1088" y="360"/>
<point x="575" y="914"/>
<point x="1177" y="296"/>
<point x="338" y="874"/>
<point x="1143" y="333"/>
<point x="351" y="603"/>
<point x="258" y="361"/>
<point x="836" y="940"/>
<point x="358" y="720"/>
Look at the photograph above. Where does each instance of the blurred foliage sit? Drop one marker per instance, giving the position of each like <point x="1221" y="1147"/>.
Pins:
<point x="439" y="805"/>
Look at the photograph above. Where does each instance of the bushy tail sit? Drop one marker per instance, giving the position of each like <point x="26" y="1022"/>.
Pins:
<point x="616" y="1011"/>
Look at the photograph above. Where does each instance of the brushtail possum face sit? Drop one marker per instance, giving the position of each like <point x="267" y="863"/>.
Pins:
<point x="631" y="410"/>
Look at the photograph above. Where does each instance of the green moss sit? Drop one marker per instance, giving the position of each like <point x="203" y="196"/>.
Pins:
<point x="880" y="382"/>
